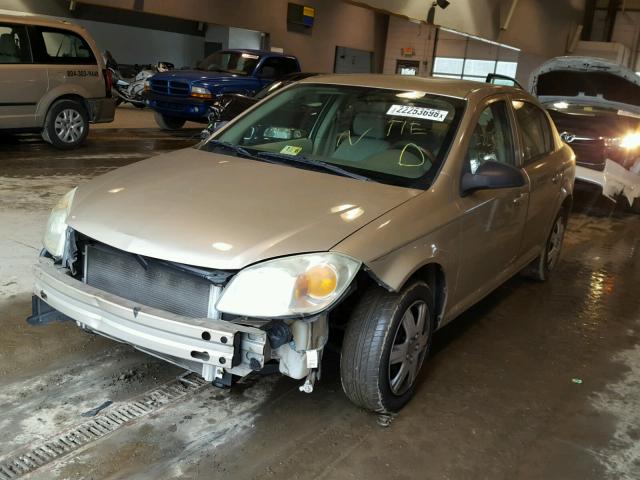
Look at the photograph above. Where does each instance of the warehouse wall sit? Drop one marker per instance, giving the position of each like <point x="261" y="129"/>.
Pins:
<point x="540" y="28"/>
<point x="131" y="45"/>
<point x="336" y="23"/>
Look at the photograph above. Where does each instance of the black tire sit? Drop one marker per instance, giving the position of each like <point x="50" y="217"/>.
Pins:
<point x="165" y="122"/>
<point x="66" y="124"/>
<point x="540" y="269"/>
<point x="377" y="324"/>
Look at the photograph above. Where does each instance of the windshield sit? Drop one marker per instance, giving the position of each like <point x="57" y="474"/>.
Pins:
<point x="390" y="136"/>
<point x="236" y="63"/>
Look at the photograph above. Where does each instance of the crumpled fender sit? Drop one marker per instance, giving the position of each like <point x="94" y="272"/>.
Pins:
<point x="614" y="180"/>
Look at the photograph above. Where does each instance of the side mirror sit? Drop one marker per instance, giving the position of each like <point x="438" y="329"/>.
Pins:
<point x="492" y="175"/>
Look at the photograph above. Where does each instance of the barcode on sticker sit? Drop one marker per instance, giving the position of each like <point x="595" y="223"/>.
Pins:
<point x="418" y="112"/>
<point x="312" y="358"/>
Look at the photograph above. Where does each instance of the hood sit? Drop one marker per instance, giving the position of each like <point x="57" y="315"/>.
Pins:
<point x="218" y="211"/>
<point x="587" y="81"/>
<point x="204" y="77"/>
<point x="190" y="75"/>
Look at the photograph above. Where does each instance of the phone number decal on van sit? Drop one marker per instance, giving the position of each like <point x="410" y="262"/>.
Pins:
<point x="418" y="112"/>
<point x="82" y="73"/>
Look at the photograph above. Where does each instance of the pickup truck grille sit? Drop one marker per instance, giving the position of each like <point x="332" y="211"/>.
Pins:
<point x="170" y="87"/>
<point x="150" y="282"/>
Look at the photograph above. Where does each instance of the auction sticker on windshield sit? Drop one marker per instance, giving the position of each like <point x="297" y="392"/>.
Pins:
<point x="291" y="150"/>
<point x="418" y="112"/>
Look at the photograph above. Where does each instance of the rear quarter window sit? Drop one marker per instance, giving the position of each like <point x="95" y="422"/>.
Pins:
<point x="57" y="46"/>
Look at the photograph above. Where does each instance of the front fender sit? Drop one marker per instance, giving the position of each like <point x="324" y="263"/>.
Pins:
<point x="411" y="236"/>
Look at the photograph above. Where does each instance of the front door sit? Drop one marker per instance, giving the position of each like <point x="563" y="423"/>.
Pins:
<point x="493" y="220"/>
<point x="22" y="84"/>
<point x="544" y="171"/>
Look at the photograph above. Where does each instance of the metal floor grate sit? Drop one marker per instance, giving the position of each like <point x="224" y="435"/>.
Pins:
<point x="27" y="459"/>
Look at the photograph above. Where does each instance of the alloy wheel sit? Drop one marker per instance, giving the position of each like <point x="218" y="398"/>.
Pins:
<point x="409" y="347"/>
<point x="69" y="125"/>
<point x="555" y="242"/>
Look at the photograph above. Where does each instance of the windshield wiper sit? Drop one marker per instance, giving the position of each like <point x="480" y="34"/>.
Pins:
<point x="314" y="163"/>
<point x="233" y="148"/>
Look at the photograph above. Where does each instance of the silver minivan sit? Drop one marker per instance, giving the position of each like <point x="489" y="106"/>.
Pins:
<point x="52" y="80"/>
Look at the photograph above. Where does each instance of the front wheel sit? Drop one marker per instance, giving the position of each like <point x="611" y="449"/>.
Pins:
<point x="167" y="122"/>
<point x="385" y="344"/>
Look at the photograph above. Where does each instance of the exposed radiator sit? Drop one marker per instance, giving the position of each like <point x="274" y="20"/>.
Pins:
<point x="149" y="283"/>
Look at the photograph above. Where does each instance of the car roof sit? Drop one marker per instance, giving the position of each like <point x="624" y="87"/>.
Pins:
<point x="28" y="19"/>
<point x="438" y="86"/>
<point x="262" y="53"/>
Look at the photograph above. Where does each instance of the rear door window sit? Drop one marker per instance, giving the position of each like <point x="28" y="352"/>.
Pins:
<point x="534" y="131"/>
<point x="61" y="47"/>
<point x="275" y="67"/>
<point x="14" y="44"/>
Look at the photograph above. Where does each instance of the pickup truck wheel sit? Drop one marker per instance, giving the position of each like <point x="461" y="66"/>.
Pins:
<point x="66" y="124"/>
<point x="385" y="344"/>
<point x="540" y="269"/>
<point x="167" y="122"/>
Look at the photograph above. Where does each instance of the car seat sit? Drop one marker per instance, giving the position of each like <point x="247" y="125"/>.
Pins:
<point x="366" y="138"/>
<point x="8" y="49"/>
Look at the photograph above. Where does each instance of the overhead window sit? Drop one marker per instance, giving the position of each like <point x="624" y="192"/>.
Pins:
<point x="466" y="57"/>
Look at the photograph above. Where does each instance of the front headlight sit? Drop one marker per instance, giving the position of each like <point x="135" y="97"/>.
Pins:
<point x="55" y="233"/>
<point x="630" y="141"/>
<point x="291" y="286"/>
<point x="200" y="92"/>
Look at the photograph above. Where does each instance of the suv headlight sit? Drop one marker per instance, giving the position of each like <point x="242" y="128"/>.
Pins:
<point x="55" y="234"/>
<point x="290" y="286"/>
<point x="200" y="92"/>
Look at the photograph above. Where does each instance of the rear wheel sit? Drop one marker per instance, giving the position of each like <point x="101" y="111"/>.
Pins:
<point x="167" y="122"/>
<point x="66" y="124"/>
<point x="385" y="344"/>
<point x="540" y="269"/>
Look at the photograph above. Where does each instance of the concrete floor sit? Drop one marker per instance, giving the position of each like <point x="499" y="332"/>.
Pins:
<point x="500" y="398"/>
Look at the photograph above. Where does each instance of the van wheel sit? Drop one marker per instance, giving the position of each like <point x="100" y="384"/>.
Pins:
<point x="540" y="269"/>
<point x="385" y="344"/>
<point x="169" y="123"/>
<point x="66" y="124"/>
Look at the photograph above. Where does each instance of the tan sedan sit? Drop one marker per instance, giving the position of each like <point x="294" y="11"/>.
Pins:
<point x="366" y="210"/>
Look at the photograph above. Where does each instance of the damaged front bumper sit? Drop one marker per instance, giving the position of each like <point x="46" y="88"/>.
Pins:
<point x="206" y="346"/>
<point x="615" y="180"/>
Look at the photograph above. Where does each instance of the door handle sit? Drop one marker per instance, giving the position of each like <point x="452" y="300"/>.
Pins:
<point x="557" y="176"/>
<point x="517" y="201"/>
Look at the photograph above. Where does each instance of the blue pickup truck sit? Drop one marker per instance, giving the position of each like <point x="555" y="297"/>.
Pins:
<point x="181" y="95"/>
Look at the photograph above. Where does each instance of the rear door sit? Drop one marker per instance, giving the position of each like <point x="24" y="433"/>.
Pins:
<point x="542" y="163"/>
<point x="69" y="60"/>
<point x="22" y="83"/>
<point x="493" y="220"/>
